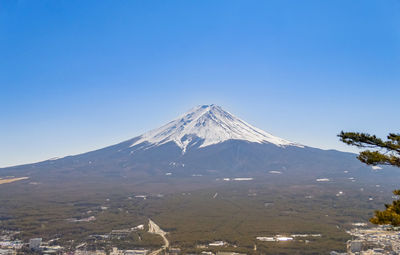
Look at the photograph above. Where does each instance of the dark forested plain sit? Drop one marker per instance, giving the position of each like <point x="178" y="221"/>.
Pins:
<point x="196" y="211"/>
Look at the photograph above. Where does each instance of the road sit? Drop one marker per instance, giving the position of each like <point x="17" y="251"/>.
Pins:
<point x="155" y="229"/>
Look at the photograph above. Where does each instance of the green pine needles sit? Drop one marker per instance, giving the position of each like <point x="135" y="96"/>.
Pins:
<point x="391" y="215"/>
<point x="380" y="152"/>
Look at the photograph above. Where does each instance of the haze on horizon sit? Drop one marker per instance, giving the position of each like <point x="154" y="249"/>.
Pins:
<point x="77" y="76"/>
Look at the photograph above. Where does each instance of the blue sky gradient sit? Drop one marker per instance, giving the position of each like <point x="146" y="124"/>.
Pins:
<point x="80" y="75"/>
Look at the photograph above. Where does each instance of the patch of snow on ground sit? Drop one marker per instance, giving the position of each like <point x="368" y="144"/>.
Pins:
<point x="274" y="172"/>
<point x="243" y="179"/>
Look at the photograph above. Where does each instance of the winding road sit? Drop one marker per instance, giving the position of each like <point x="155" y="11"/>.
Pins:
<point x="155" y="229"/>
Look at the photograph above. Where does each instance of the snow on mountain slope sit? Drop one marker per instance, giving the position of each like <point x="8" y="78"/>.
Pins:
<point x="213" y="125"/>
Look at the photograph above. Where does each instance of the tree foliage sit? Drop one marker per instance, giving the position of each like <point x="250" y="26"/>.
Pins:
<point x="385" y="153"/>
<point x="379" y="152"/>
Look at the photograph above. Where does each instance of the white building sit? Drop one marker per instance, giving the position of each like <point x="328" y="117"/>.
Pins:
<point x="135" y="252"/>
<point x="35" y="243"/>
<point x="354" y="246"/>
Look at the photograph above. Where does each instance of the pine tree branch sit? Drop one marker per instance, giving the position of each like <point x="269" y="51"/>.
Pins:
<point x="377" y="158"/>
<point x="389" y="154"/>
<point x="363" y="140"/>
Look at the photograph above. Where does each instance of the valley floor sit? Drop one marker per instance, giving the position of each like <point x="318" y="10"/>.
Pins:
<point x="315" y="215"/>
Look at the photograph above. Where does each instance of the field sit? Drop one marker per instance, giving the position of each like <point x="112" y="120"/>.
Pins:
<point x="234" y="212"/>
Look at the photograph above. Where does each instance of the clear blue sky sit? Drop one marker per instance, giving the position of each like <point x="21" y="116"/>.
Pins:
<point x="80" y="75"/>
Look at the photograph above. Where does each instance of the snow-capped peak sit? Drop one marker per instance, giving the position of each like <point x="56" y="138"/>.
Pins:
<point x="212" y="125"/>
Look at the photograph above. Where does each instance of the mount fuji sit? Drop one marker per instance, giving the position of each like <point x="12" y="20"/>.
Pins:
<point x="207" y="125"/>
<point x="206" y="141"/>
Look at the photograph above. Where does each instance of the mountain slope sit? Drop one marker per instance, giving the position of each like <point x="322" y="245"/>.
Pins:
<point x="206" y="141"/>
<point x="211" y="125"/>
